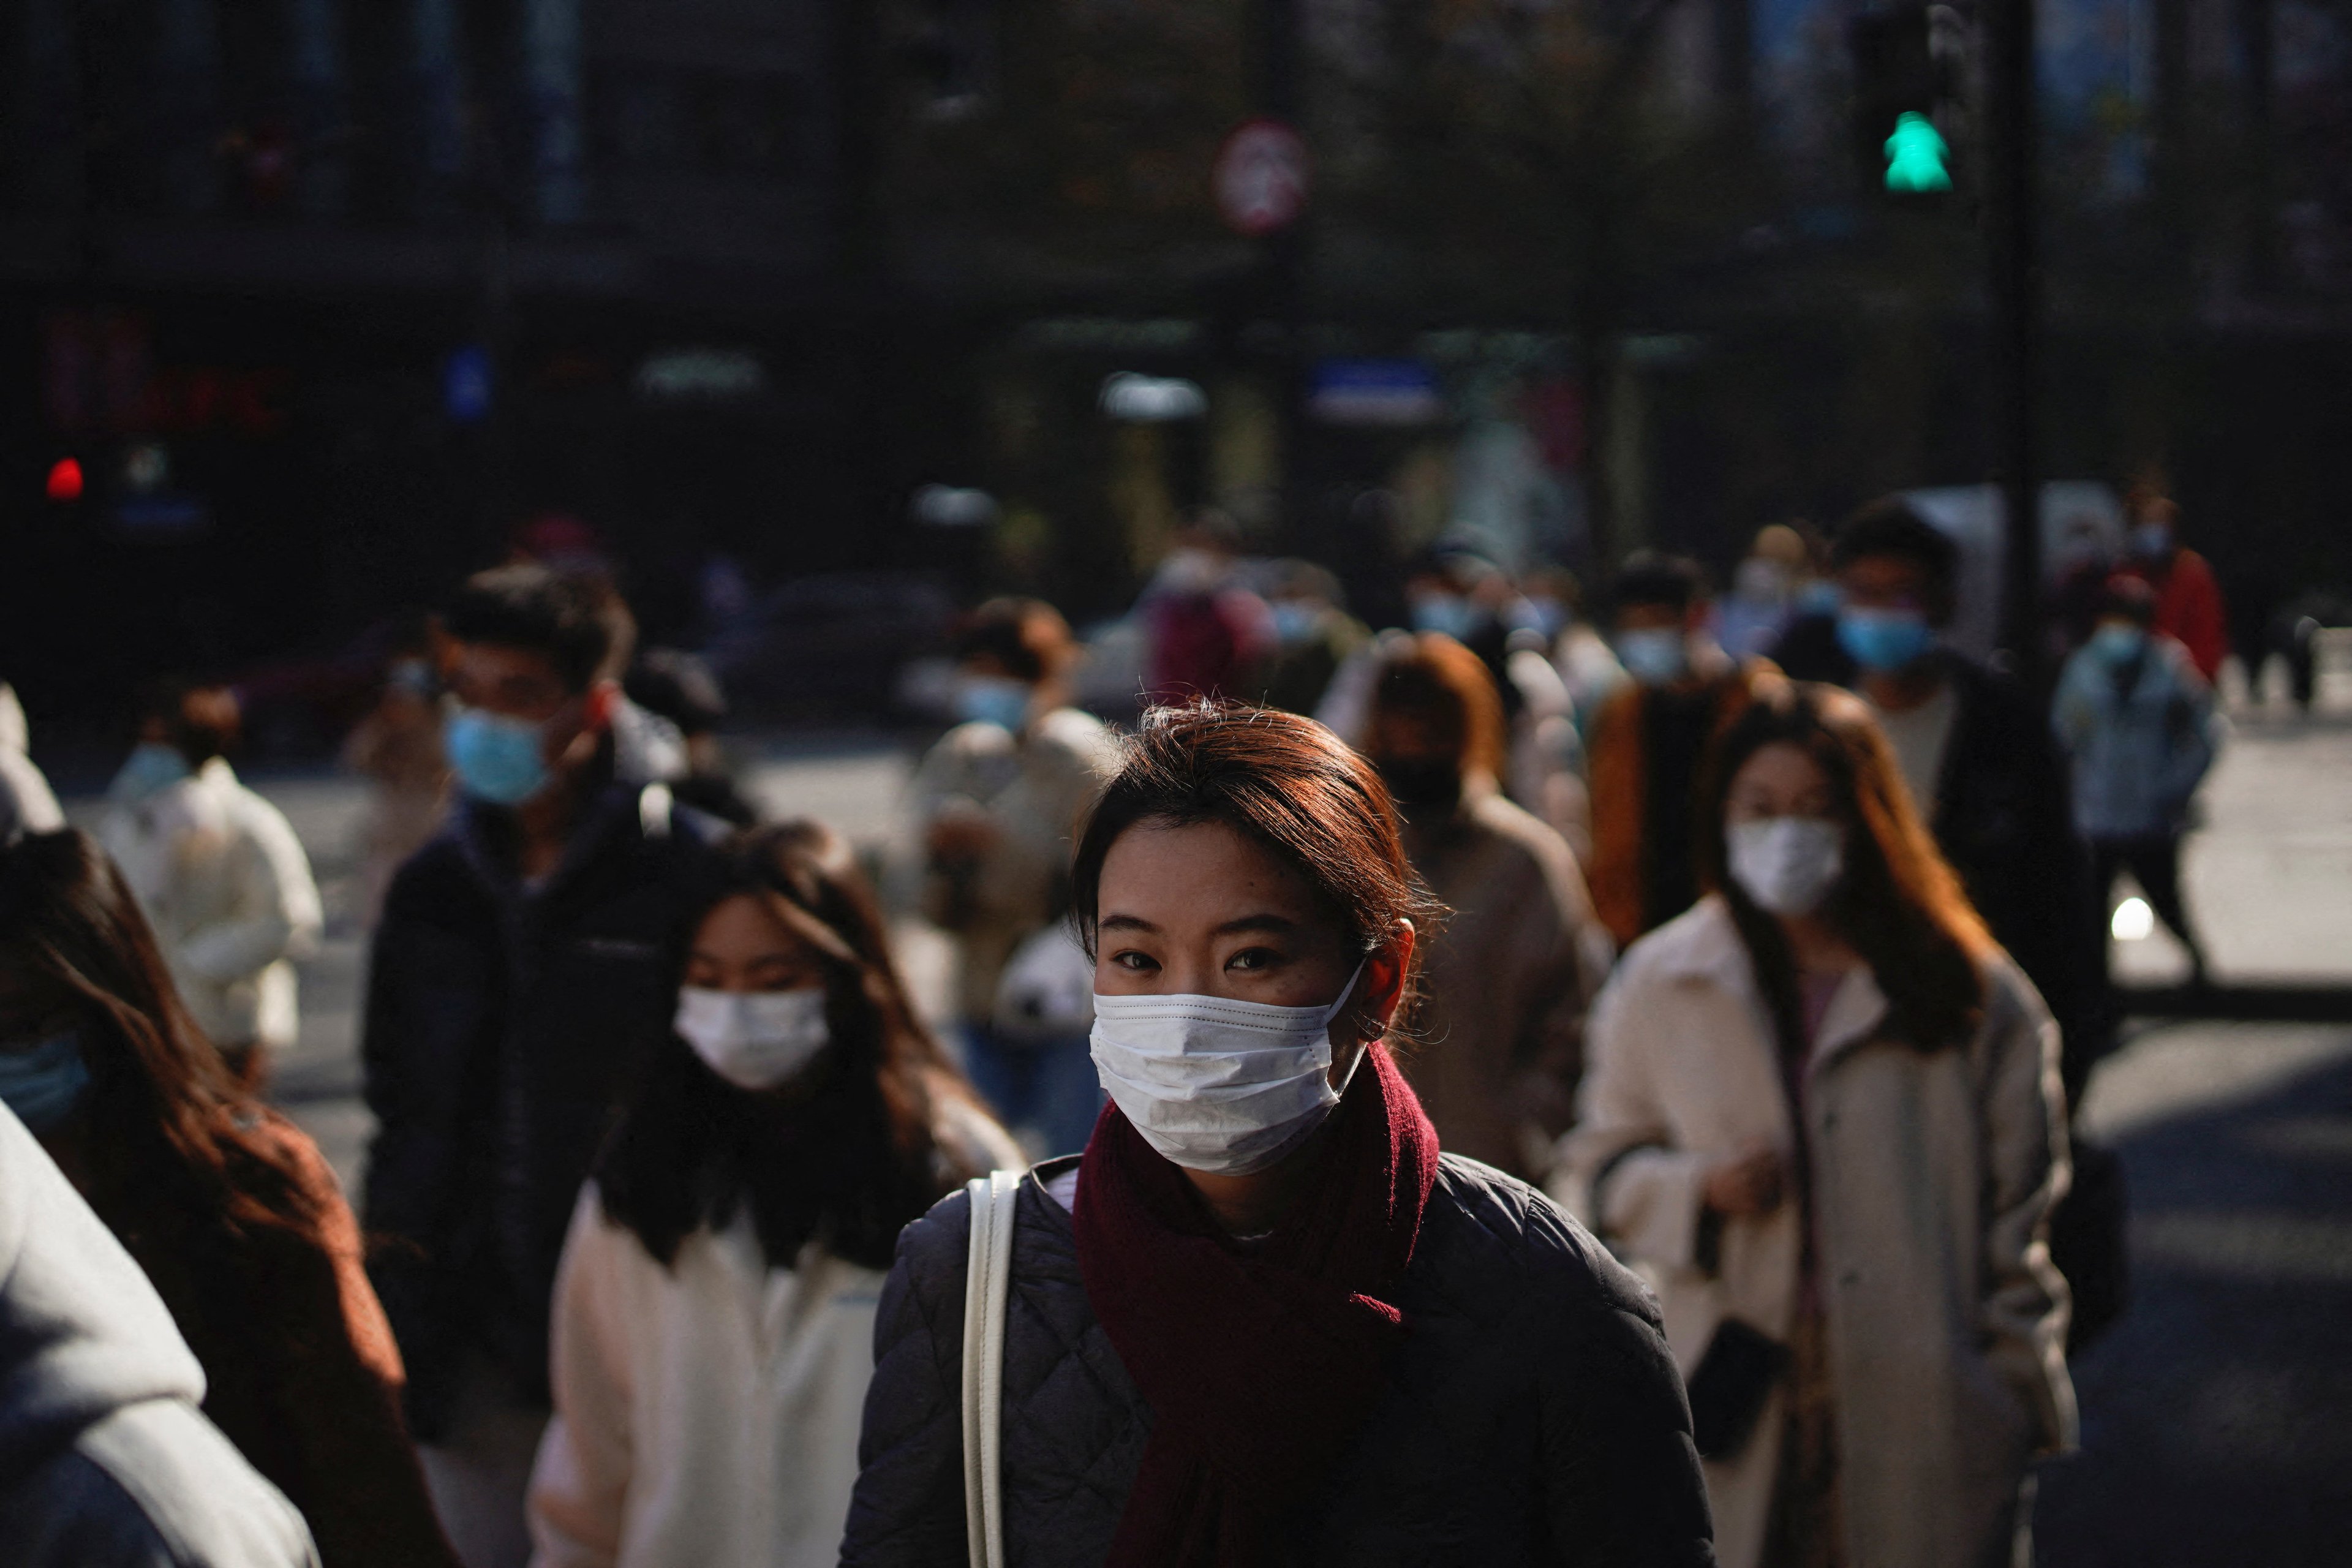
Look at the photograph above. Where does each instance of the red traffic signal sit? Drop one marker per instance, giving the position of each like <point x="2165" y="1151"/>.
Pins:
<point x="65" y="480"/>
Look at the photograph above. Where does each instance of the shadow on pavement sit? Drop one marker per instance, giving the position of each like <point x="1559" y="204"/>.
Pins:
<point x="2217" y="1415"/>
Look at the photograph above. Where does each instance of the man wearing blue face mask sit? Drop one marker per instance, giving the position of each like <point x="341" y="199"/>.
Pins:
<point x="518" y="976"/>
<point x="995" y="803"/>
<point x="1649" y="742"/>
<point x="1976" y="752"/>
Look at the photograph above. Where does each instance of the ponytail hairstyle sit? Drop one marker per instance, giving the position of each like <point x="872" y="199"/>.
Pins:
<point x="849" y="1152"/>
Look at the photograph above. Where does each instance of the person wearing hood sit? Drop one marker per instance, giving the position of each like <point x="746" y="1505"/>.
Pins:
<point x="1506" y="983"/>
<point x="224" y="880"/>
<point x="2137" y="721"/>
<point x="228" y="1208"/>
<point x="518" y="980"/>
<point x="26" y="803"/>
<point x="714" y="1312"/>
<point x="1649" y="740"/>
<point x="105" y="1460"/>
<point x="995" y="804"/>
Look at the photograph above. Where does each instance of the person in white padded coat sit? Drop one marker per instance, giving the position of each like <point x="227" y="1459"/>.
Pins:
<point x="714" y="1310"/>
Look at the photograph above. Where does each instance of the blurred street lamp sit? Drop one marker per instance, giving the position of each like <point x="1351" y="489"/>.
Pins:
<point x="1152" y="399"/>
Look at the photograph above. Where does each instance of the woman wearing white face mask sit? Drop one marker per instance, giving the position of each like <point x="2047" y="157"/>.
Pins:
<point x="1822" y="1114"/>
<point x="714" y="1313"/>
<point x="1262" y="1320"/>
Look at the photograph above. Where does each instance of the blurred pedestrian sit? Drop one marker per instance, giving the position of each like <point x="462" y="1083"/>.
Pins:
<point x="2188" y="606"/>
<point x="1763" y="599"/>
<point x="220" y="874"/>
<point x="1823" y="1116"/>
<point x="1314" y="636"/>
<point x="996" y="803"/>
<point x="104" y="1458"/>
<point x="2137" y="721"/>
<point x="1589" y="669"/>
<point x="26" y="804"/>
<point x="1262" y="1319"/>
<point x="714" y="1312"/>
<point x="397" y="749"/>
<point x="1648" y="743"/>
<point x="226" y="1204"/>
<point x="1977" y="756"/>
<point x="518" y="979"/>
<point x="1206" y="632"/>
<point x="1505" y="983"/>
<point x="2078" y="595"/>
<point x="681" y="687"/>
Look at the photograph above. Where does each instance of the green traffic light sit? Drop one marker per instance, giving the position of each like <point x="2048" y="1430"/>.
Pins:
<point x="1915" y="155"/>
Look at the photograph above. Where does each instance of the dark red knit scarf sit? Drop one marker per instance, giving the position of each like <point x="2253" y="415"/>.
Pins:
<point x="1259" y="1363"/>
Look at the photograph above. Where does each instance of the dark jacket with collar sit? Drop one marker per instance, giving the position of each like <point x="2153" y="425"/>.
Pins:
<point x="1535" y="1415"/>
<point x="503" y="1025"/>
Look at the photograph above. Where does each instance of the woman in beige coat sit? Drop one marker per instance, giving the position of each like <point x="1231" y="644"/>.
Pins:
<point x="1822" y="1115"/>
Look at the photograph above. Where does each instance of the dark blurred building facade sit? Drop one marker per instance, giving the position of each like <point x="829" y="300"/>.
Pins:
<point x="325" y="298"/>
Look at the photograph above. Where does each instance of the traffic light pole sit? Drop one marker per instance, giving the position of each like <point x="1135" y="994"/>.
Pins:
<point x="2013" y="253"/>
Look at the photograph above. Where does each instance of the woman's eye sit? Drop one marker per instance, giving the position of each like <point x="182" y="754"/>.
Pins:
<point x="1133" y="962"/>
<point x="1252" y="959"/>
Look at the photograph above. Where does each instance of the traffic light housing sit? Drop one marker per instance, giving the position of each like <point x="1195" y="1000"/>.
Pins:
<point x="1909" y="105"/>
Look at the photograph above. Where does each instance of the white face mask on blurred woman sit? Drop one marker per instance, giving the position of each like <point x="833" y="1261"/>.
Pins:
<point x="754" y="1040"/>
<point x="1788" y="865"/>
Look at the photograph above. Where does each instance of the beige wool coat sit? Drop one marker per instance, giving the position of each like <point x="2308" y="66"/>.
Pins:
<point x="1934" y="1173"/>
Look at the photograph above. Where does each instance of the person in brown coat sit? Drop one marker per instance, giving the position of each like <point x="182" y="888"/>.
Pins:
<point x="229" y="1208"/>
<point x="1507" y="982"/>
<point x="1650" y="738"/>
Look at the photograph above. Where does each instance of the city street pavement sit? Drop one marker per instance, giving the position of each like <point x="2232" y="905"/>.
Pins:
<point x="2217" y="1415"/>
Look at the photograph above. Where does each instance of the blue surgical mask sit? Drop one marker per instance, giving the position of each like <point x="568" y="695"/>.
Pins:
<point x="42" y="1083"/>
<point x="2118" y="642"/>
<point x="1655" y="655"/>
<point x="1819" y="597"/>
<point x="1447" y="613"/>
<point x="1884" y="641"/>
<point x="992" y="699"/>
<point x="497" y="759"/>
<point x="1294" y="619"/>
<point x="2151" y="540"/>
<point x="151" y="768"/>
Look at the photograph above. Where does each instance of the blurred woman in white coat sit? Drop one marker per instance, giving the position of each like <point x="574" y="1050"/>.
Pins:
<point x="714" y="1311"/>
<point x="1822" y="1114"/>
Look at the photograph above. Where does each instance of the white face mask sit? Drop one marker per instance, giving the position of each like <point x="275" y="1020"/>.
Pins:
<point x="753" y="1039"/>
<point x="1787" y="864"/>
<point x="1218" y="1085"/>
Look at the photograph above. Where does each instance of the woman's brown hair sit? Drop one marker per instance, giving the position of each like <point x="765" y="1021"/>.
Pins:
<point x="851" y="1158"/>
<point x="1438" y="681"/>
<point x="1897" y="902"/>
<point x="1281" y="781"/>
<point x="179" y="1153"/>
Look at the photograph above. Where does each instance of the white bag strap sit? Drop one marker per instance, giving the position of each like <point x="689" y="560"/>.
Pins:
<point x="988" y="1273"/>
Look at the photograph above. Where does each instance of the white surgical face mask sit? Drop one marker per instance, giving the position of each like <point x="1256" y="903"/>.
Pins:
<point x="1787" y="864"/>
<point x="753" y="1039"/>
<point x="1218" y="1085"/>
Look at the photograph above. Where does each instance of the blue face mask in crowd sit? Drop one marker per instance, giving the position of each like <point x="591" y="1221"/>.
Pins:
<point x="1884" y="641"/>
<point x="151" y="768"/>
<point x="992" y="699"/>
<point x="1819" y="597"/>
<point x="1293" y="620"/>
<point x="2119" y="642"/>
<point x="1444" y="613"/>
<point x="496" y="758"/>
<point x="1655" y="655"/>
<point x="2151" y="540"/>
<point x="42" y="1083"/>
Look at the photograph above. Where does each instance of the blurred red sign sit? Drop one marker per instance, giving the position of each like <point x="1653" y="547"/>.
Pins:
<point x="1261" y="178"/>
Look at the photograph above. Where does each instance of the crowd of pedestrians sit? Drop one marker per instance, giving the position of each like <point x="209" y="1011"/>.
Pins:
<point x="1508" y="1089"/>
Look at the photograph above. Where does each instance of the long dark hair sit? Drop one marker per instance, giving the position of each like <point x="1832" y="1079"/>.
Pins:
<point x="1898" y="902"/>
<point x="1283" y="781"/>
<point x="180" y="1156"/>
<point x="852" y="1157"/>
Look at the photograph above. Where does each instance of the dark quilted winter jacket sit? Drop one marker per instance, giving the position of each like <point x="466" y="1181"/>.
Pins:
<point x="1535" y="1416"/>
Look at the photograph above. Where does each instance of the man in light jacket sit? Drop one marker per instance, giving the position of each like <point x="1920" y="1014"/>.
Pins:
<point x="221" y="876"/>
<point x="105" y="1460"/>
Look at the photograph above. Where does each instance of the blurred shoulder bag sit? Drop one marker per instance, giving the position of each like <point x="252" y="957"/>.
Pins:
<point x="988" y="1274"/>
